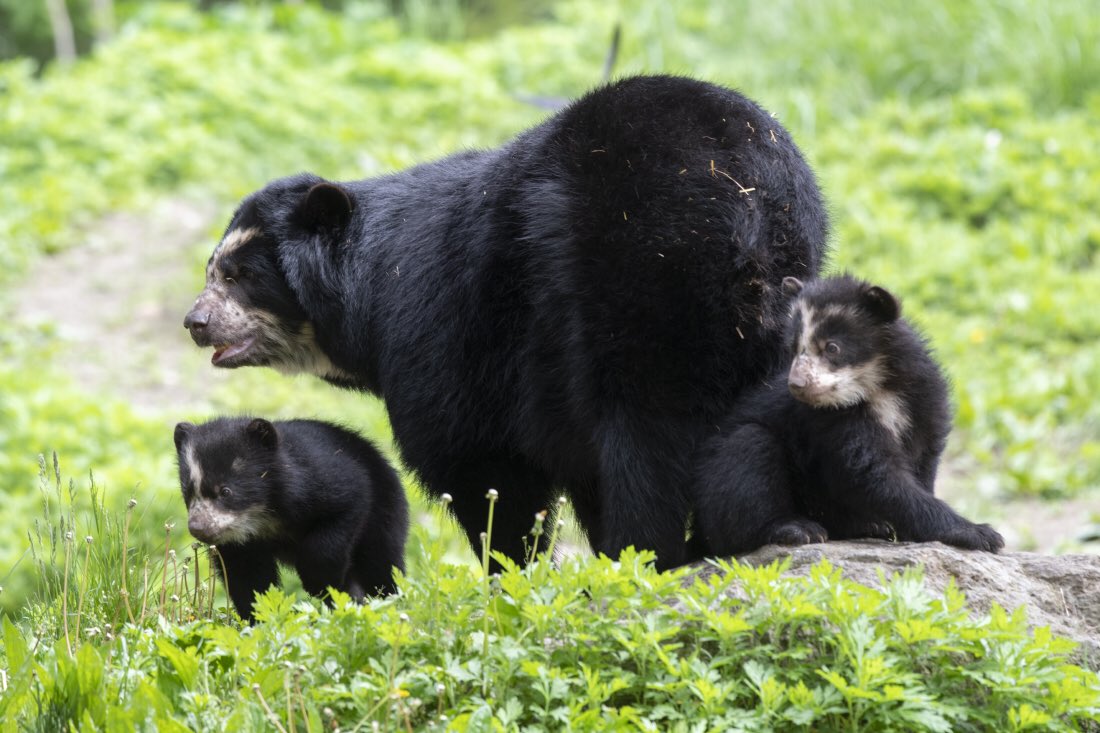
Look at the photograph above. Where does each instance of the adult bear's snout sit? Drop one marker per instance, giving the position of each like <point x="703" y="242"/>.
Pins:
<point x="196" y="318"/>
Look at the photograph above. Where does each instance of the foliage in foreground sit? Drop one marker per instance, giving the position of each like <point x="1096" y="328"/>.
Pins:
<point x="117" y="641"/>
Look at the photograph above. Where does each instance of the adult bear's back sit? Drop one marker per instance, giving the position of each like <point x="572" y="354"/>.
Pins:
<point x="668" y="211"/>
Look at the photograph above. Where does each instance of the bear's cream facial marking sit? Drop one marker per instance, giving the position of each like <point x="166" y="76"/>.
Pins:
<point x="234" y="239"/>
<point x="816" y="381"/>
<point x="243" y="334"/>
<point x="194" y="468"/>
<point x="821" y="382"/>
<point x="218" y="318"/>
<point x="210" y="522"/>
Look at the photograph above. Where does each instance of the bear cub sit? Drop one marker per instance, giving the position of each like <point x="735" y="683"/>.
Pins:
<point x="299" y="492"/>
<point x="843" y="443"/>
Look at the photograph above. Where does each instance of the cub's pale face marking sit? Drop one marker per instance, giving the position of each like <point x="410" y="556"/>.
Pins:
<point x="214" y="524"/>
<point x="194" y="468"/>
<point x="820" y="377"/>
<point x="213" y="518"/>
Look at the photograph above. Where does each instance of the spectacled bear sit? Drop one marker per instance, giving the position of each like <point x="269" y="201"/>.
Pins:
<point x="299" y="492"/>
<point x="843" y="443"/>
<point x="569" y="312"/>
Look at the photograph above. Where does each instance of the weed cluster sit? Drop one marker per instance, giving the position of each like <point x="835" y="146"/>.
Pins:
<point x="87" y="589"/>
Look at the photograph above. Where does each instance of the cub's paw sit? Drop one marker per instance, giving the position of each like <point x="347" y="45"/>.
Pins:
<point x="876" y="530"/>
<point x="975" y="537"/>
<point x="796" y="532"/>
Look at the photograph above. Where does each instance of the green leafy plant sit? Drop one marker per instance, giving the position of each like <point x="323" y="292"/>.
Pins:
<point x="589" y="644"/>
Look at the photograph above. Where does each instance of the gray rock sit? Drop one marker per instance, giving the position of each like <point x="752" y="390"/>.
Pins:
<point x="1059" y="591"/>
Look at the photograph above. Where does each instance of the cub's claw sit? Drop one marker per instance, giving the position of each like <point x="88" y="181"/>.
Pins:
<point x="796" y="532"/>
<point x="976" y="537"/>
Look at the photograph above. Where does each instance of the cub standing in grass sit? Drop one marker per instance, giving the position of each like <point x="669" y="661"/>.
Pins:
<point x="301" y="492"/>
<point x="570" y="312"/>
<point x="844" y="443"/>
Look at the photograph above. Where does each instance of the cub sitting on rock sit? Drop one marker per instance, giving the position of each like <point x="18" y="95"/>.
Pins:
<point x="844" y="443"/>
<point x="305" y="493"/>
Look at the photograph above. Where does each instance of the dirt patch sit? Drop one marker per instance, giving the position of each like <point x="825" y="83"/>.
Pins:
<point x="116" y="302"/>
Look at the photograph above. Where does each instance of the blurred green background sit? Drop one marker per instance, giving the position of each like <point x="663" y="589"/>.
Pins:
<point x="956" y="143"/>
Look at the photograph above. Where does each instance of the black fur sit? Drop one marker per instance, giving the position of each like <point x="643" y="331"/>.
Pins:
<point x="571" y="311"/>
<point x="786" y="472"/>
<point x="301" y="492"/>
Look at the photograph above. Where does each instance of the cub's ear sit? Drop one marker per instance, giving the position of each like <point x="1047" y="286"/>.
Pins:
<point x="263" y="432"/>
<point x="881" y="303"/>
<point x="792" y="285"/>
<point x="182" y="434"/>
<point x="326" y="206"/>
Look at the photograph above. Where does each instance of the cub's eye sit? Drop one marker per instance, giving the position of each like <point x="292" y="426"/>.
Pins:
<point x="832" y="347"/>
<point x="225" y="492"/>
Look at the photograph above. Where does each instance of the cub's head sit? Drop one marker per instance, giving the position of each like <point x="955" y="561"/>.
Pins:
<point x="839" y="335"/>
<point x="228" y="473"/>
<point x="272" y="264"/>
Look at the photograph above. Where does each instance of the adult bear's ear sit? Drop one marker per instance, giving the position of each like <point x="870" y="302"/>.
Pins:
<point x="881" y="303"/>
<point x="263" y="432"/>
<point x="325" y="206"/>
<point x="182" y="434"/>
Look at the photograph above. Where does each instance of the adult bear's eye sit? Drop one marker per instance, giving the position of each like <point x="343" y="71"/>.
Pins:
<point x="832" y="347"/>
<point x="225" y="492"/>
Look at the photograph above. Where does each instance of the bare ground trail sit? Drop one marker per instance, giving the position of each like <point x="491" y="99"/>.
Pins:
<point x="116" y="301"/>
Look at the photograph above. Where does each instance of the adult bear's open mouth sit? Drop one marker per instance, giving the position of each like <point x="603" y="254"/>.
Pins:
<point x="228" y="355"/>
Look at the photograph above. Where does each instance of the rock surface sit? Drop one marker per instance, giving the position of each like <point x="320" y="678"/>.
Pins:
<point x="1059" y="591"/>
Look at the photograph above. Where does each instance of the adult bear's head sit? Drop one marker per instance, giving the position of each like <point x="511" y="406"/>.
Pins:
<point x="272" y="275"/>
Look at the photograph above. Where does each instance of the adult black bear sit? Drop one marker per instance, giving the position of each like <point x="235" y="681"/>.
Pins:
<point x="571" y="311"/>
<point x="843" y="443"/>
<point x="305" y="493"/>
